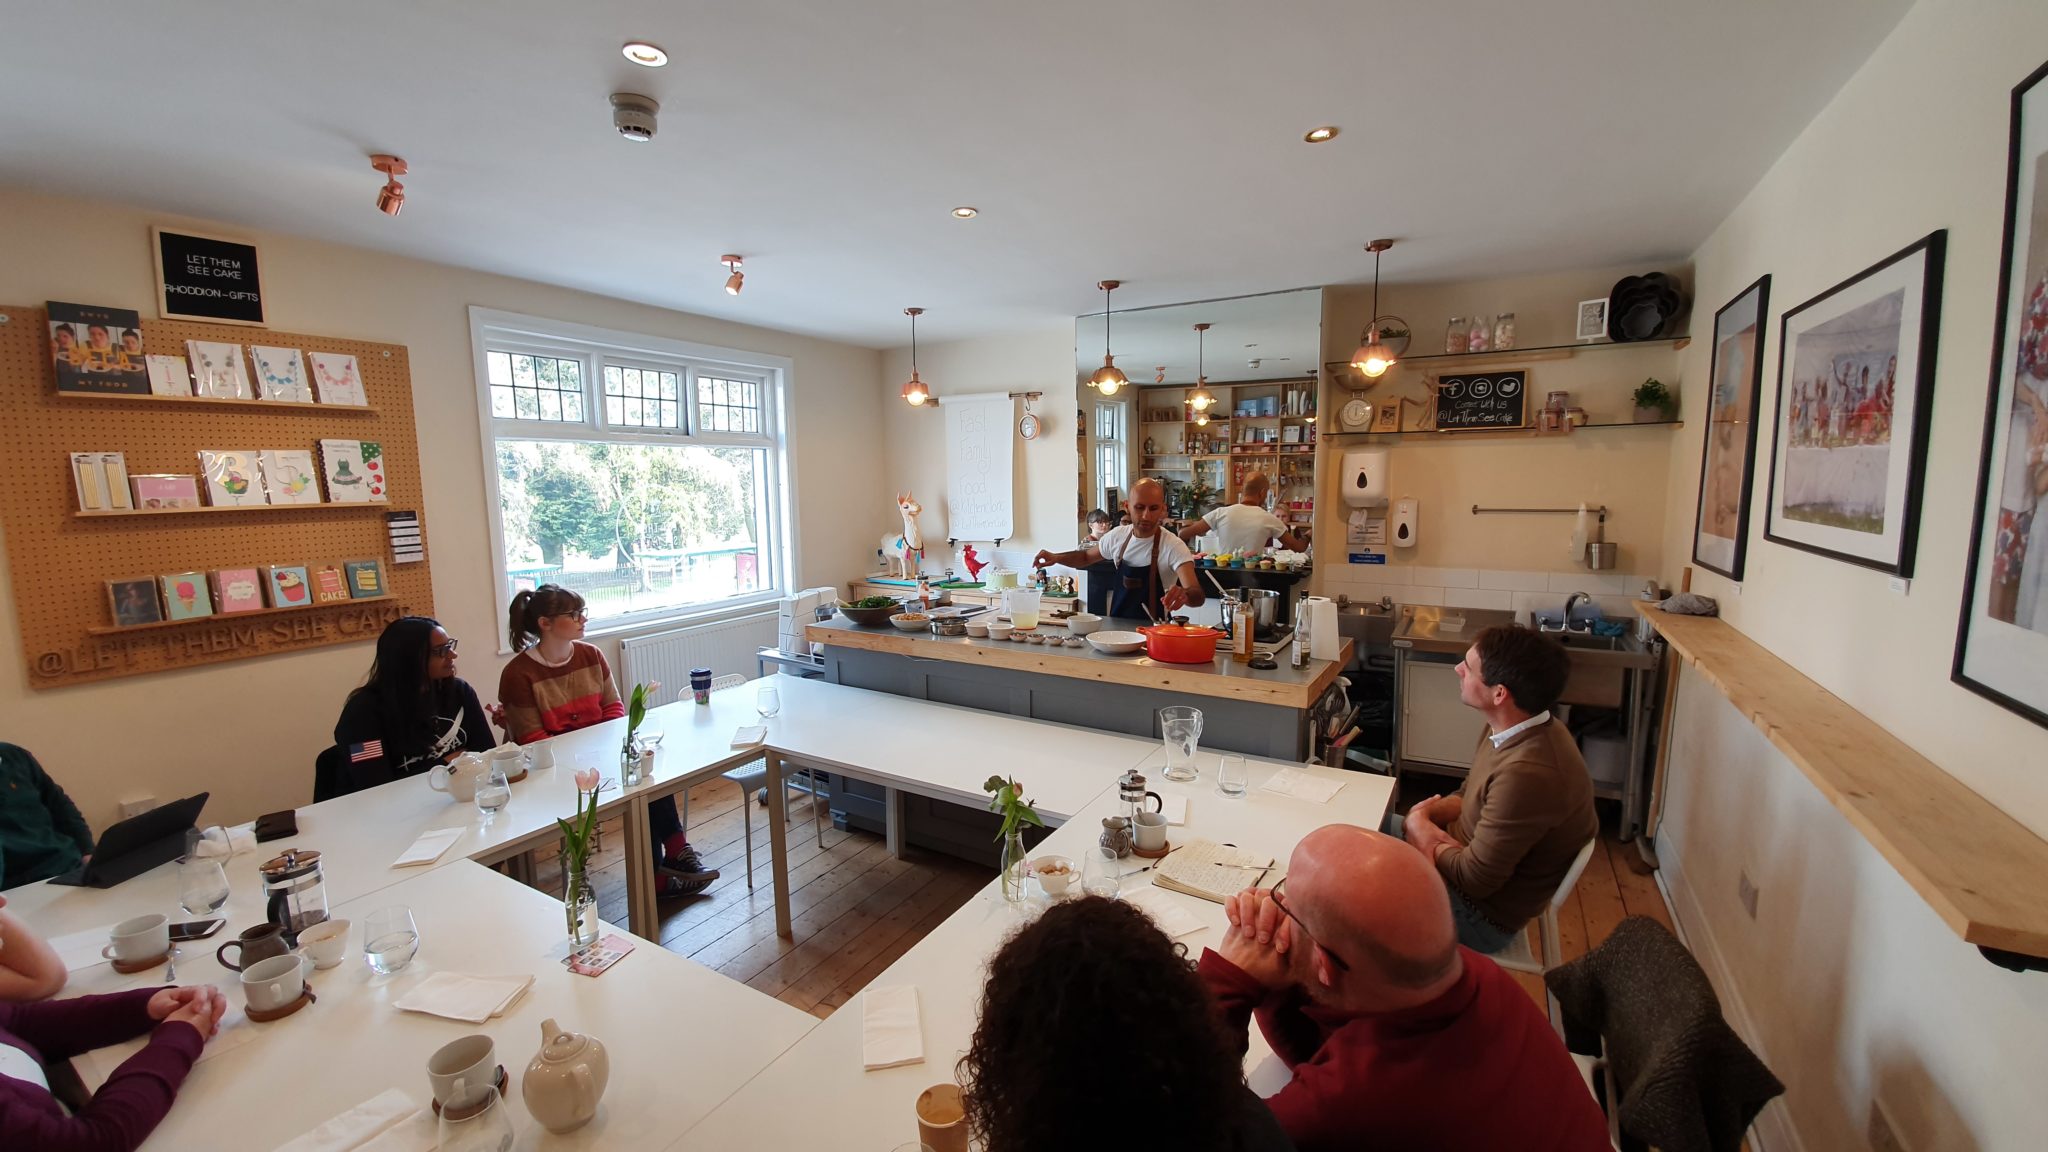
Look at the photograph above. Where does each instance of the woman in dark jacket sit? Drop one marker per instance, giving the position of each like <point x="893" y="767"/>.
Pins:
<point x="412" y="713"/>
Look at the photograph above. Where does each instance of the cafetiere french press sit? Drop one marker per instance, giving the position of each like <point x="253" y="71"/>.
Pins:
<point x="294" y="892"/>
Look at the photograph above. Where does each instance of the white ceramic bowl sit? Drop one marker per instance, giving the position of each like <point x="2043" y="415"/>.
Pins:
<point x="1054" y="882"/>
<point x="997" y="630"/>
<point x="911" y="621"/>
<point x="977" y="628"/>
<point x="1117" y="643"/>
<point x="1082" y="623"/>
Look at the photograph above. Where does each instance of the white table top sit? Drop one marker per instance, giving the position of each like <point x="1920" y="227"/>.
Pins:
<point x="847" y="1107"/>
<point x="681" y="1037"/>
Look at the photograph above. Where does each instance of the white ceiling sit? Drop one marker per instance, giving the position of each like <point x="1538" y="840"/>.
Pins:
<point x="1155" y="141"/>
<point x="1281" y="330"/>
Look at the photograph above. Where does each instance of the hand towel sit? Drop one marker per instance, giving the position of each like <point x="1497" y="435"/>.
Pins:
<point x="387" y="1122"/>
<point x="428" y="848"/>
<point x="891" y="1033"/>
<point x="457" y="996"/>
<point x="219" y="842"/>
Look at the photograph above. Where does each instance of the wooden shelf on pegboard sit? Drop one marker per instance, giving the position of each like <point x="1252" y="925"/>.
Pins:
<point x="205" y="509"/>
<point x="218" y="402"/>
<point x="230" y="617"/>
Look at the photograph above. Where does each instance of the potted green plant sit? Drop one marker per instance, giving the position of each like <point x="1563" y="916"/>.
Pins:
<point x="1654" y="402"/>
<point x="1007" y="800"/>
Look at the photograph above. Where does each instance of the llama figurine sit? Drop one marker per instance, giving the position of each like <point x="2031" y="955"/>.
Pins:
<point x="904" y="551"/>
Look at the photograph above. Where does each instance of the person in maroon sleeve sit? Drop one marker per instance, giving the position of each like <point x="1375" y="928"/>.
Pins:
<point x="1398" y="1037"/>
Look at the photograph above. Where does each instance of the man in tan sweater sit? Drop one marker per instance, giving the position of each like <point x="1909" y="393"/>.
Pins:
<point x="1506" y="840"/>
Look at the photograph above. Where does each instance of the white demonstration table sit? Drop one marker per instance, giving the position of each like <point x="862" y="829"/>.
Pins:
<point x="680" y="1036"/>
<point x="846" y="1107"/>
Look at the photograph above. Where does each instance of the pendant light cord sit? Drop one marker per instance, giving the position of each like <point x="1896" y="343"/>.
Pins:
<point x="1372" y="325"/>
<point x="1105" y="322"/>
<point x="913" y="333"/>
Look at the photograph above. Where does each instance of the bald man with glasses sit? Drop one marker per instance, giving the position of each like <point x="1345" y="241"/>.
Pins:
<point x="1398" y="1037"/>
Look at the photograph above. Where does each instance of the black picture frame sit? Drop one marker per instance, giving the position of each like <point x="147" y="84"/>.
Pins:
<point x="1930" y="251"/>
<point x="1752" y="305"/>
<point x="2005" y="659"/>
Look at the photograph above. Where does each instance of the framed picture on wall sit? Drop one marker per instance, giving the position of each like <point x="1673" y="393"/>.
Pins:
<point x="2002" y="638"/>
<point x="1720" y="535"/>
<point x="1855" y="393"/>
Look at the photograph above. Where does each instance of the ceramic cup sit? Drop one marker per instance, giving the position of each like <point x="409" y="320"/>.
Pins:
<point x="541" y="755"/>
<point x="471" y="1059"/>
<point x="1150" y="833"/>
<point x="139" y="939"/>
<point x="510" y="757"/>
<point x="1055" y="874"/>
<point x="941" y="1118"/>
<point x="325" y="943"/>
<point x="259" y="943"/>
<point x="268" y="985"/>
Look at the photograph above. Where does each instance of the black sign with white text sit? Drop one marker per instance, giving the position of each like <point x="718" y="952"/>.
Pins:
<point x="203" y="278"/>
<point x="1482" y="400"/>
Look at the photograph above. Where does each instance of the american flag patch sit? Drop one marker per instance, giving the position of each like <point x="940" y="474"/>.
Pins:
<point x="374" y="750"/>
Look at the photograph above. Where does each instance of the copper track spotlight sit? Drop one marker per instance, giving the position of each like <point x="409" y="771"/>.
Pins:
<point x="733" y="282"/>
<point x="391" y="197"/>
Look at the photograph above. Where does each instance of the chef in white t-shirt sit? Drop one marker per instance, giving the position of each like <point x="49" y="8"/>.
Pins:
<point x="1246" y="527"/>
<point x="1154" y="568"/>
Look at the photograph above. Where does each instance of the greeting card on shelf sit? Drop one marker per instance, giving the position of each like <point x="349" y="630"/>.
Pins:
<point x="288" y="587"/>
<point x="329" y="584"/>
<point x="218" y="371"/>
<point x="97" y="350"/>
<point x="355" y="471"/>
<point x="101" y="480"/>
<point x="237" y="590"/>
<point x="168" y="376"/>
<point x="185" y="596"/>
<point x="289" y="475"/>
<point x="280" y="374"/>
<point x="339" y="381"/>
<point x="231" y="479"/>
<point x="365" y="578"/>
<point x="133" y="602"/>
<point x="165" y="491"/>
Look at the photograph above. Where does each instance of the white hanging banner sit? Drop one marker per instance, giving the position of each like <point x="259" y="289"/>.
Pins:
<point x="979" y="443"/>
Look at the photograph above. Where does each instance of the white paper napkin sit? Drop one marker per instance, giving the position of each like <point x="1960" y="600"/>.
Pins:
<point x="386" y="1122"/>
<point x="750" y="735"/>
<point x="428" y="848"/>
<point x="1302" y="786"/>
<point x="891" y="1033"/>
<point x="1174" y="808"/>
<point x="218" y="842"/>
<point x="82" y="949"/>
<point x="1167" y="910"/>
<point x="458" y="996"/>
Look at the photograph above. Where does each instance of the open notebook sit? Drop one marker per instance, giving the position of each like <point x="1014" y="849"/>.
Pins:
<point x="1210" y="870"/>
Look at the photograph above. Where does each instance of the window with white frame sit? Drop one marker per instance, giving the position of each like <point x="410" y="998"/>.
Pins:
<point x="645" y="474"/>
<point x="1109" y="453"/>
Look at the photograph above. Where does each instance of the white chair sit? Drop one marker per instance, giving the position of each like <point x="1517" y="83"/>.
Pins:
<point x="1516" y="956"/>
<point x="753" y="777"/>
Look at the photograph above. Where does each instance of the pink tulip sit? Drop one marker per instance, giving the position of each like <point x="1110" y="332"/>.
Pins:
<point x="586" y="779"/>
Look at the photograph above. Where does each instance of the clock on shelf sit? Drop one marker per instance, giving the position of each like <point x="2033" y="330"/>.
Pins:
<point x="1355" y="414"/>
<point x="1028" y="427"/>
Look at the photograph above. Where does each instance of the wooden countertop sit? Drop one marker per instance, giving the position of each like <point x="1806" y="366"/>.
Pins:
<point x="1282" y="686"/>
<point x="1978" y="868"/>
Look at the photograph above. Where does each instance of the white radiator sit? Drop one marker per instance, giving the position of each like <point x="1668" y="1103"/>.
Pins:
<point x="725" y="647"/>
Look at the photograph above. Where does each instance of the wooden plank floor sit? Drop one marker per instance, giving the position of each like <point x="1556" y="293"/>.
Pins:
<point x="854" y="908"/>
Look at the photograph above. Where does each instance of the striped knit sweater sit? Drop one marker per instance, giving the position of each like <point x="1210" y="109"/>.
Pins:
<point x="542" y="701"/>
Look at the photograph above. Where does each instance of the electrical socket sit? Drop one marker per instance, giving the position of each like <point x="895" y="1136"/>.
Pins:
<point x="1883" y="1136"/>
<point x="1745" y="891"/>
<point x="136" y="807"/>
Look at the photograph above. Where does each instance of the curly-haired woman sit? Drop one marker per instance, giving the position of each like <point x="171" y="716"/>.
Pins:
<point x="1095" y="1033"/>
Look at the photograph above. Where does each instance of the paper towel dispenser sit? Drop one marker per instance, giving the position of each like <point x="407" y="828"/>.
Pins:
<point x="1364" y="478"/>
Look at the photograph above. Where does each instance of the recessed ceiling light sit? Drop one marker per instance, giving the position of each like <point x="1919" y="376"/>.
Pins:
<point x="644" y="54"/>
<point x="966" y="213"/>
<point x="1319" y="135"/>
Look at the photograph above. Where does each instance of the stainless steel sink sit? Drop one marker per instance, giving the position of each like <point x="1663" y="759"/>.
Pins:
<point x="1367" y="625"/>
<point x="1588" y="641"/>
<point x="1600" y="666"/>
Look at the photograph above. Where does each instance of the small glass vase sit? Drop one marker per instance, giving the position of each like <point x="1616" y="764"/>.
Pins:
<point x="629" y="763"/>
<point x="1015" y="866"/>
<point x="579" y="908"/>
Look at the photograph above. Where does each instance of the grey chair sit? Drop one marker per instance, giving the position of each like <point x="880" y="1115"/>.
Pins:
<point x="752" y="778"/>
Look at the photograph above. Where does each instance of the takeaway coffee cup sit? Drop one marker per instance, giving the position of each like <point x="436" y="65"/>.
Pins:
<point x="139" y="939"/>
<point x="1150" y="833"/>
<point x="268" y="985"/>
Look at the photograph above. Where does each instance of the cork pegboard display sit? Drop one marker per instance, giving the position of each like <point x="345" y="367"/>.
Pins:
<point x="61" y="561"/>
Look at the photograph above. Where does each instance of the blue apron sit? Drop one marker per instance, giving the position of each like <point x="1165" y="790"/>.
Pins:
<point x="1136" y="587"/>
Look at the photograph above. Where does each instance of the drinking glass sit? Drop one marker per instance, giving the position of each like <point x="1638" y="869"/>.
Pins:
<point x="475" y="1120"/>
<point x="1230" y="775"/>
<point x="767" y="700"/>
<point x="390" y="939"/>
<point x="1101" y="872"/>
<point x="493" y="791"/>
<point x="1181" y="726"/>
<point x="202" y="885"/>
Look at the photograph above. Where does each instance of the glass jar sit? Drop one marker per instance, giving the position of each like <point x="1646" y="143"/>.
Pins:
<point x="1478" y="336"/>
<point x="1504" y="331"/>
<point x="1014" y="866"/>
<point x="1456" y="335"/>
<point x="579" y="908"/>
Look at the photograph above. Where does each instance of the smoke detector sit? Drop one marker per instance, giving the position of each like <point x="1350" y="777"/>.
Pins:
<point x="633" y="116"/>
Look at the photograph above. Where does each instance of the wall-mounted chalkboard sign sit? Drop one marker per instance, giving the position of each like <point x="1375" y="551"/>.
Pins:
<point x="206" y="278"/>
<point x="1478" y="401"/>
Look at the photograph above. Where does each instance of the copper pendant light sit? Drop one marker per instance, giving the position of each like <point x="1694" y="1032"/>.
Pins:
<point x="1108" y="378"/>
<point x="914" y="390"/>
<point x="1201" y="398"/>
<point x="1374" y="357"/>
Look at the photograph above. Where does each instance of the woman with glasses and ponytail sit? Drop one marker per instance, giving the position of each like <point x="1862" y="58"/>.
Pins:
<point x="412" y="713"/>
<point x="556" y="684"/>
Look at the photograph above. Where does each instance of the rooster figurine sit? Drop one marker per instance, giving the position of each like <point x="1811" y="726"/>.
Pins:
<point x="974" y="564"/>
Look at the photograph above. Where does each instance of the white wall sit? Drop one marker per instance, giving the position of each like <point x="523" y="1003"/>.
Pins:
<point x="176" y="733"/>
<point x="1855" y="985"/>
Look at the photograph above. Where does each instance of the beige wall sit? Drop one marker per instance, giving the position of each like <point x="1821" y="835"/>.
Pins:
<point x="248" y="731"/>
<point x="1854" y="989"/>
<point x="1045" y="469"/>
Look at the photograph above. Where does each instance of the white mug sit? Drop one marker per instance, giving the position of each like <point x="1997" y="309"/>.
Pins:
<point x="541" y="755"/>
<point x="268" y="985"/>
<point x="471" y="1060"/>
<point x="1150" y="833"/>
<point x="325" y="943"/>
<point x="138" y="939"/>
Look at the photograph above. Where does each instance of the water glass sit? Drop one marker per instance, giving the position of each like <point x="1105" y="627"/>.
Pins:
<point x="493" y="791"/>
<point x="390" y="939"/>
<point x="767" y="700"/>
<point x="1230" y="775"/>
<point x="1101" y="872"/>
<point x="1181" y="726"/>
<point x="202" y="885"/>
<point x="475" y="1120"/>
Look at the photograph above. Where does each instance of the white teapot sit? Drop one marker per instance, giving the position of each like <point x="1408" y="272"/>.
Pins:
<point x="459" y="779"/>
<point x="565" y="1079"/>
